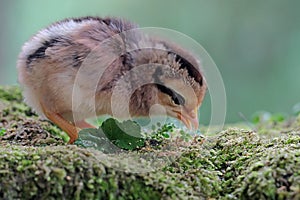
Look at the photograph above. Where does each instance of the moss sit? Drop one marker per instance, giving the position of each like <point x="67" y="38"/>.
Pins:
<point x="35" y="163"/>
<point x="10" y="93"/>
<point x="64" y="172"/>
<point x="19" y="124"/>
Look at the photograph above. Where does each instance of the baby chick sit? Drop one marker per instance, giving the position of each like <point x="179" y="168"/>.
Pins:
<point x="50" y="62"/>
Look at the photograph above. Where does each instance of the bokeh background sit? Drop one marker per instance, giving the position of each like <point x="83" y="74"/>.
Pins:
<point x="255" y="44"/>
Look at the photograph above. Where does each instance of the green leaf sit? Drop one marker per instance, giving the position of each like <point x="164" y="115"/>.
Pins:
<point x="111" y="136"/>
<point x="278" y="117"/>
<point x="2" y="131"/>
<point x="95" y="138"/>
<point x="126" y="135"/>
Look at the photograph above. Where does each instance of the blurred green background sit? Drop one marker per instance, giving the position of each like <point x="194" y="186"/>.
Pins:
<point x="255" y="44"/>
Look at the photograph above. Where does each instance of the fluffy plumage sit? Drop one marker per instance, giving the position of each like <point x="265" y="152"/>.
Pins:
<point x="74" y="67"/>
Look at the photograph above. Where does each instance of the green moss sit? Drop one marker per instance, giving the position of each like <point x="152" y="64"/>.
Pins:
<point x="64" y="172"/>
<point x="35" y="162"/>
<point x="19" y="124"/>
<point x="10" y="93"/>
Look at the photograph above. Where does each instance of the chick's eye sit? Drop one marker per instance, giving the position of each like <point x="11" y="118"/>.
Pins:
<point x="177" y="99"/>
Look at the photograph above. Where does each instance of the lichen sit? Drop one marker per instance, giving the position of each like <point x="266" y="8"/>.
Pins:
<point x="36" y="162"/>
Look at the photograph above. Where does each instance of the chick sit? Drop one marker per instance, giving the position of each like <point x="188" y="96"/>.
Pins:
<point x="92" y="55"/>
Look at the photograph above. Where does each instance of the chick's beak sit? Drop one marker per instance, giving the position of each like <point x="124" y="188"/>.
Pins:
<point x="190" y="119"/>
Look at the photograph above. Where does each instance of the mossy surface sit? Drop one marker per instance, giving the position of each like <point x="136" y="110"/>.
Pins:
<point x="36" y="163"/>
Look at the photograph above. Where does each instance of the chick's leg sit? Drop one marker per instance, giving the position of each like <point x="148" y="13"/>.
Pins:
<point x="66" y="126"/>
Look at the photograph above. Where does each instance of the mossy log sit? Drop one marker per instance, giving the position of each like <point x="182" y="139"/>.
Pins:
<point x="36" y="163"/>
